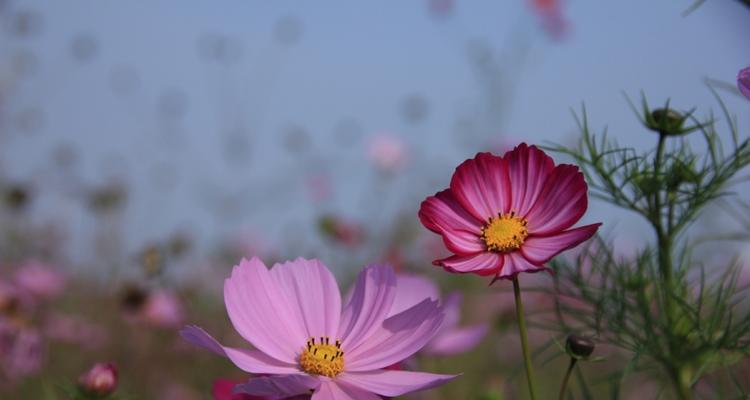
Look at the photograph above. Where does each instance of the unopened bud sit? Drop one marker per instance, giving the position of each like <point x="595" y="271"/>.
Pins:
<point x="579" y="346"/>
<point x="100" y="380"/>
<point x="666" y="121"/>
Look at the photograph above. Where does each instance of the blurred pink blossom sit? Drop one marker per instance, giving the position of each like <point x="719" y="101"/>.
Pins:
<point x="551" y="17"/>
<point x="450" y="339"/>
<point x="21" y="349"/>
<point x="387" y="152"/>
<point x="222" y="390"/>
<point x="40" y="280"/>
<point x="74" y="329"/>
<point x="163" y="310"/>
<point x="100" y="380"/>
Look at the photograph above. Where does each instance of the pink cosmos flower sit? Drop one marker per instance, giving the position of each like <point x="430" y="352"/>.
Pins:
<point x="40" y="280"/>
<point x="506" y="215"/>
<point x="21" y="349"/>
<point x="387" y="152"/>
<point x="163" y="310"/>
<point x="450" y="339"/>
<point x="307" y="343"/>
<point x="743" y="82"/>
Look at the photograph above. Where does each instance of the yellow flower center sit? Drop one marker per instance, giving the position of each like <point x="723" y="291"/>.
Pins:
<point x="505" y="233"/>
<point x="322" y="358"/>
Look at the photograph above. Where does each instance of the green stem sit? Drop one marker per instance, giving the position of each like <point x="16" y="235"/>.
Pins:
<point x="524" y="339"/>
<point x="564" y="386"/>
<point x="681" y="386"/>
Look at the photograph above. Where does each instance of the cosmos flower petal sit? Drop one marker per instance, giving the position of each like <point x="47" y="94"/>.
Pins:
<point x="452" y="310"/>
<point x="743" y="82"/>
<point x="282" y="386"/>
<point x="528" y="169"/>
<point x="443" y="215"/>
<point x="456" y="340"/>
<point x="410" y="291"/>
<point x="247" y="360"/>
<point x="399" y="337"/>
<point x="541" y="249"/>
<point x="313" y="295"/>
<point x="516" y="263"/>
<point x="394" y="383"/>
<point x="260" y="312"/>
<point x="482" y="186"/>
<point x="562" y="202"/>
<point x="368" y="305"/>
<point x="330" y="390"/>
<point x="486" y="263"/>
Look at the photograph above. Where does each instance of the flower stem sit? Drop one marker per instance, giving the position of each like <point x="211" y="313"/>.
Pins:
<point x="524" y="338"/>
<point x="564" y="386"/>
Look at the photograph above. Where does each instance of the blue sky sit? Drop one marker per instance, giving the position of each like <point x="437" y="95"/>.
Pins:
<point x="353" y="65"/>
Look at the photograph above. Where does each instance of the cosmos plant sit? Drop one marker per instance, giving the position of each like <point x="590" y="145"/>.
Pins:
<point x="505" y="215"/>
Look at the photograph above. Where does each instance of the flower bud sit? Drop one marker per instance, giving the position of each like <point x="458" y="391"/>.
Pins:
<point x="100" y="380"/>
<point x="666" y="121"/>
<point x="579" y="346"/>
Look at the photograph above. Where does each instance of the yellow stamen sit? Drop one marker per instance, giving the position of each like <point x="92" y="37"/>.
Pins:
<point x="505" y="233"/>
<point x="319" y="357"/>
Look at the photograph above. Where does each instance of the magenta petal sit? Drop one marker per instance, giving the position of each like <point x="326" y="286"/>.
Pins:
<point x="443" y="215"/>
<point x="399" y="337"/>
<point x="410" y="291"/>
<point x="516" y="263"/>
<point x="313" y="295"/>
<point x="455" y="341"/>
<point x="486" y="263"/>
<point x="282" y="386"/>
<point x="541" y="249"/>
<point x="394" y="383"/>
<point x="528" y="169"/>
<point x="481" y="185"/>
<point x="248" y="360"/>
<point x="368" y="306"/>
<point x="262" y="313"/>
<point x="562" y="202"/>
<point x="743" y="82"/>
<point x="332" y="390"/>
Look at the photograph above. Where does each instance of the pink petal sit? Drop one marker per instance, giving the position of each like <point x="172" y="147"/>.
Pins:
<point x="282" y="386"/>
<point x="541" y="249"/>
<point x="528" y="169"/>
<point x="452" y="310"/>
<point x="562" y="202"/>
<point x="332" y="390"/>
<point x="368" y="306"/>
<point x="399" y="337"/>
<point x="481" y="185"/>
<point x="262" y="313"/>
<point x="313" y="294"/>
<point x="455" y="341"/>
<point x="486" y="263"/>
<point x="410" y="291"/>
<point x="443" y="215"/>
<point x="394" y="383"/>
<point x="516" y="263"/>
<point x="743" y="82"/>
<point x="247" y="360"/>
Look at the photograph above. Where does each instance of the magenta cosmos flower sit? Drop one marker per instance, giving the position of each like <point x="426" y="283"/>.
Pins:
<point x="307" y="343"/>
<point x="506" y="215"/>
<point x="450" y="339"/>
<point x="743" y="82"/>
